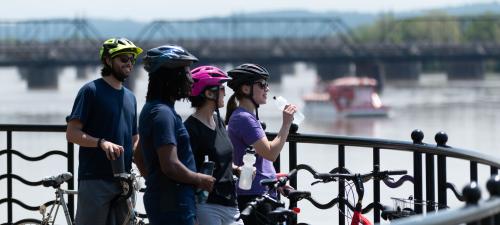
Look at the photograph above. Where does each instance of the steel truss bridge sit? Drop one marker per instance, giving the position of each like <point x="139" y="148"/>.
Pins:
<point x="327" y="42"/>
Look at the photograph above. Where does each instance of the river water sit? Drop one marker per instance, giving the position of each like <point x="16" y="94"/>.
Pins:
<point x="465" y="110"/>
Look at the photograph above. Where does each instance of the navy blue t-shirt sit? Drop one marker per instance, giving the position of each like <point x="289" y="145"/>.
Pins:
<point x="108" y="113"/>
<point x="160" y="125"/>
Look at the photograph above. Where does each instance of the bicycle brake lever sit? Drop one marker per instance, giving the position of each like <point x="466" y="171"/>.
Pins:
<point x="315" y="182"/>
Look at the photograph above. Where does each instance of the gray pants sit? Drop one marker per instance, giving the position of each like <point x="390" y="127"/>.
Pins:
<point x="212" y="214"/>
<point x="94" y="206"/>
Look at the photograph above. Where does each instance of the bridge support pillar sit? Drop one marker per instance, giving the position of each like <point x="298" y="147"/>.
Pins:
<point x="83" y="72"/>
<point x="40" y="76"/>
<point x="402" y="70"/>
<point x="330" y="71"/>
<point x="465" y="69"/>
<point x="371" y="69"/>
<point x="277" y="70"/>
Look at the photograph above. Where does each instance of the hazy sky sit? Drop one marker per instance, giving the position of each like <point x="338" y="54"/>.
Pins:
<point x="148" y="10"/>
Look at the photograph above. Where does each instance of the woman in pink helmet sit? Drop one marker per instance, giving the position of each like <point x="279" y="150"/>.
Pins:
<point x="209" y="140"/>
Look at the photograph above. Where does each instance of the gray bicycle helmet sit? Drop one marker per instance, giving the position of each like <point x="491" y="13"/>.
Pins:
<point x="169" y="56"/>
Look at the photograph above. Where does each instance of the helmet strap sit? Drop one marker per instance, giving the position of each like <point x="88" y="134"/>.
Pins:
<point x="250" y="96"/>
<point x="214" y="98"/>
<point x="254" y="102"/>
<point x="220" y="121"/>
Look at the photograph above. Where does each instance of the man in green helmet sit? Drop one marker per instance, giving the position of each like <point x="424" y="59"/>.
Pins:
<point x="103" y="122"/>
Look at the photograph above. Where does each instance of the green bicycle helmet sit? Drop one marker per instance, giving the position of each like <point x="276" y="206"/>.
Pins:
<point x="115" y="46"/>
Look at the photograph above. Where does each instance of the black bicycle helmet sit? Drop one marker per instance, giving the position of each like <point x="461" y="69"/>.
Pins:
<point x="170" y="56"/>
<point x="246" y="73"/>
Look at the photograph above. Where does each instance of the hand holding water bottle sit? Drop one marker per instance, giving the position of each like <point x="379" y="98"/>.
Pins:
<point x="206" y="168"/>
<point x="281" y="103"/>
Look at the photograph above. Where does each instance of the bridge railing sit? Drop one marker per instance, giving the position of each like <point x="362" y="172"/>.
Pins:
<point x="10" y="176"/>
<point x="485" y="213"/>
<point x="435" y="160"/>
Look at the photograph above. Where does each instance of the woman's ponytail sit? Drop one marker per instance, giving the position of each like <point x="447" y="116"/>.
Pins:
<point x="231" y="106"/>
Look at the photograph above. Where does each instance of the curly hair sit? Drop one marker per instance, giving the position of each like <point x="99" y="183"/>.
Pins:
<point x="169" y="84"/>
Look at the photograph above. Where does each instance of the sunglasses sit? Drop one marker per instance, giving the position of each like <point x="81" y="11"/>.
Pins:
<point x="262" y="84"/>
<point x="126" y="59"/>
<point x="220" y="88"/>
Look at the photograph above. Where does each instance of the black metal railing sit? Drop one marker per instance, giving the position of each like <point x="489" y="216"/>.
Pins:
<point x="474" y="212"/>
<point x="440" y="151"/>
<point x="9" y="152"/>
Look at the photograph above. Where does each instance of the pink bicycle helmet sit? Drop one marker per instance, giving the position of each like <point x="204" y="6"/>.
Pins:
<point x="207" y="76"/>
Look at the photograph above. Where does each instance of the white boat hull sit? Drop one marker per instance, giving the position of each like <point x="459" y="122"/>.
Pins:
<point x="327" y="109"/>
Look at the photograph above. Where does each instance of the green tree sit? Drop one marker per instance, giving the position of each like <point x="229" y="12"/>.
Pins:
<point x="484" y="28"/>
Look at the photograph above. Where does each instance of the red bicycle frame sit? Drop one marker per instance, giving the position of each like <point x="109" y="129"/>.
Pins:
<point x="358" y="218"/>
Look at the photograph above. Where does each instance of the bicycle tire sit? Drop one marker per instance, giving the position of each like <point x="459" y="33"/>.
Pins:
<point x="28" y="222"/>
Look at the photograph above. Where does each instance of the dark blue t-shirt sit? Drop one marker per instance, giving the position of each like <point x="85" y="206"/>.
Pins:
<point x="160" y="125"/>
<point x="108" y="113"/>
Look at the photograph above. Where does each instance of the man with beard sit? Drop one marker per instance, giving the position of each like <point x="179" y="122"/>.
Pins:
<point x="103" y="122"/>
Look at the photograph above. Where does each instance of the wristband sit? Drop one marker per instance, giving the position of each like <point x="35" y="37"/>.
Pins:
<point x="99" y="141"/>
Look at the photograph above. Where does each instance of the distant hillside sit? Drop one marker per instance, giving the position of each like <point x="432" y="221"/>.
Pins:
<point x="131" y="29"/>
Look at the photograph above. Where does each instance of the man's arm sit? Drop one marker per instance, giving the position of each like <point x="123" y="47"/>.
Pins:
<point x="135" y="142"/>
<point x="174" y="169"/>
<point x="139" y="161"/>
<point x="75" y="135"/>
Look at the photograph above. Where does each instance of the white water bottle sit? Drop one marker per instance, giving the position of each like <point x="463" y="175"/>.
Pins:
<point x="246" y="176"/>
<point x="281" y="102"/>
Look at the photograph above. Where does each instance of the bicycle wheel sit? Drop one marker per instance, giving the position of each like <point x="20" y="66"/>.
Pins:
<point x="28" y="222"/>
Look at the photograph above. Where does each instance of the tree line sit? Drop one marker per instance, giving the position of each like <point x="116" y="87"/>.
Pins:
<point x="432" y="27"/>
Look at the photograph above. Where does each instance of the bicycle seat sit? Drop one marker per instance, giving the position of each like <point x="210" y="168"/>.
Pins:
<point x="389" y="213"/>
<point x="295" y="195"/>
<point x="280" y="214"/>
<point x="56" y="181"/>
<point x="269" y="182"/>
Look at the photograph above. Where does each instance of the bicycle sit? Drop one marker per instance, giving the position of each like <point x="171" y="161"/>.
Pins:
<point x="269" y="210"/>
<point x="357" y="180"/>
<point x="129" y="185"/>
<point x="50" y="216"/>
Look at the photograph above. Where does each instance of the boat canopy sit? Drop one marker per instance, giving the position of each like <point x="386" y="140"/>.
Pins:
<point x="354" y="81"/>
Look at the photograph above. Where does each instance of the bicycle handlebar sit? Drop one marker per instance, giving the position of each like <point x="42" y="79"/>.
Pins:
<point x="365" y="177"/>
<point x="280" y="180"/>
<point x="327" y="177"/>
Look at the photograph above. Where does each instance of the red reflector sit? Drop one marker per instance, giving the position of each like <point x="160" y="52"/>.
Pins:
<point x="296" y="210"/>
